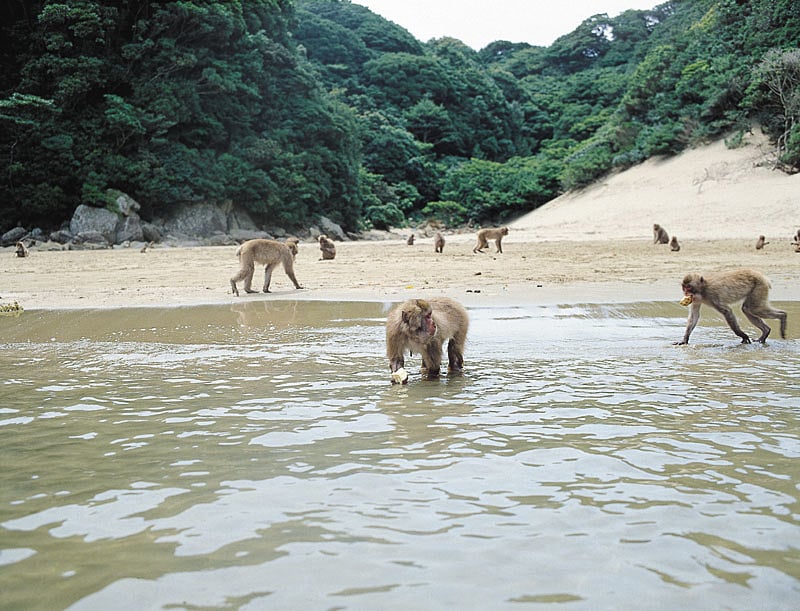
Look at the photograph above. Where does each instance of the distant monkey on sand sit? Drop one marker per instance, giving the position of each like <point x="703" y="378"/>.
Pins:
<point x="21" y="250"/>
<point x="410" y="240"/>
<point x="496" y="234"/>
<point x="761" y="242"/>
<point x="264" y="252"/>
<point x="673" y="244"/>
<point x="438" y="242"/>
<point x="327" y="247"/>
<point x="660" y="235"/>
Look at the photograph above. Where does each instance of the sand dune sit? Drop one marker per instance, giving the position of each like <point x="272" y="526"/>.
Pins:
<point x="710" y="192"/>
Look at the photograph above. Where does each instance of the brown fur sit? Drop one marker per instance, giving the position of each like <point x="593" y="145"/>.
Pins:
<point x="264" y="252"/>
<point x="438" y="242"/>
<point x="410" y="240"/>
<point x="673" y="244"/>
<point x="761" y="242"/>
<point x="422" y="326"/>
<point x="21" y="250"/>
<point x="660" y="235"/>
<point x="721" y="290"/>
<point x="496" y="234"/>
<point x="327" y="247"/>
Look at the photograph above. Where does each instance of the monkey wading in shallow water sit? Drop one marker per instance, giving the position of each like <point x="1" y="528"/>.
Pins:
<point x="422" y="326"/>
<point x="264" y="252"/>
<point x="721" y="290"/>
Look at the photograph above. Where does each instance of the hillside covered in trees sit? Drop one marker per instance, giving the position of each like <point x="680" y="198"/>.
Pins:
<point x="295" y="109"/>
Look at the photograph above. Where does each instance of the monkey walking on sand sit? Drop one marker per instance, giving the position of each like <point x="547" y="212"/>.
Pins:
<point x="270" y="253"/>
<point x="495" y="233"/>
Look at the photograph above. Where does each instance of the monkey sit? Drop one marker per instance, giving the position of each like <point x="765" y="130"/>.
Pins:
<point x="327" y="247"/>
<point x="410" y="240"/>
<point x="660" y="235"/>
<point x="761" y="242"/>
<point x="21" y="250"/>
<point x="264" y="252"/>
<point x="673" y="244"/>
<point x="796" y="238"/>
<point x="438" y="242"/>
<point x="423" y="325"/>
<point x="484" y="235"/>
<point x="721" y="290"/>
<point x="145" y="247"/>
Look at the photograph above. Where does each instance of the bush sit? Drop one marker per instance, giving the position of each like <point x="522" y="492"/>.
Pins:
<point x="448" y="212"/>
<point x="384" y="216"/>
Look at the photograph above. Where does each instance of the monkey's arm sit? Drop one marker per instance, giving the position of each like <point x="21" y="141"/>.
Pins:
<point x="691" y="323"/>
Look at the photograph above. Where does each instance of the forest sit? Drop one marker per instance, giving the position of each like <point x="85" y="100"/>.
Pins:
<point x="294" y="109"/>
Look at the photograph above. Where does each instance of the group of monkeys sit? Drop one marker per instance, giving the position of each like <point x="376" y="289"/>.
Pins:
<point x="423" y="325"/>
<point x="660" y="236"/>
<point x="272" y="253"/>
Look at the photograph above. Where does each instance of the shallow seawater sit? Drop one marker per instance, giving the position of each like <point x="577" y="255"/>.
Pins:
<point x="256" y="456"/>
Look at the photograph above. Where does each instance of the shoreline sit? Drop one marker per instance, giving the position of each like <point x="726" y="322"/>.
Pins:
<point x="529" y="271"/>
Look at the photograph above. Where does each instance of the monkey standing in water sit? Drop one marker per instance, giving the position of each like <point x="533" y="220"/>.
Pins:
<point x="721" y="290"/>
<point x="660" y="235"/>
<point x="438" y="242"/>
<point x="422" y="326"/>
<point x="496" y="234"/>
<point x="264" y="252"/>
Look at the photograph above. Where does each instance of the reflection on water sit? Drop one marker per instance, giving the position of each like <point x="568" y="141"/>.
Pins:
<point x="257" y="456"/>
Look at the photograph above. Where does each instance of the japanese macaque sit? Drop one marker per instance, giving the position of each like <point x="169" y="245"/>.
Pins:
<point x="144" y="248"/>
<point x="660" y="235"/>
<point x="327" y="247"/>
<point x="721" y="290"/>
<point x="761" y="242"/>
<point x="21" y="250"/>
<point x="410" y="240"/>
<point x="438" y="242"/>
<point x="496" y="234"/>
<point x="264" y="252"/>
<point x="422" y="326"/>
<point x="673" y="244"/>
<point x="294" y="245"/>
<point x="796" y="238"/>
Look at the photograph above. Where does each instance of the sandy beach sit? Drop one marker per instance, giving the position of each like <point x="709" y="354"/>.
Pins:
<point x="592" y="246"/>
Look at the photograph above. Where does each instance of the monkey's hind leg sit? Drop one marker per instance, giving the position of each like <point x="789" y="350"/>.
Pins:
<point x="268" y="276"/>
<point x="455" y="356"/>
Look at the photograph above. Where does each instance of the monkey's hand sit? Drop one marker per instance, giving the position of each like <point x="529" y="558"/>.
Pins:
<point x="686" y="300"/>
<point x="400" y="376"/>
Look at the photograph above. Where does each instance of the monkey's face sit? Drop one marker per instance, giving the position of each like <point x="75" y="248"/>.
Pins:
<point x="419" y="322"/>
<point x="692" y="285"/>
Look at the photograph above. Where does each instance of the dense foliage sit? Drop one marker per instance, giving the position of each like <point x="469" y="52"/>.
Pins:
<point x="293" y="109"/>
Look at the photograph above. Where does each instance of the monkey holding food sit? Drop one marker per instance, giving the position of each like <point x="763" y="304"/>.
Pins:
<point x="422" y="326"/>
<point x="721" y="290"/>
